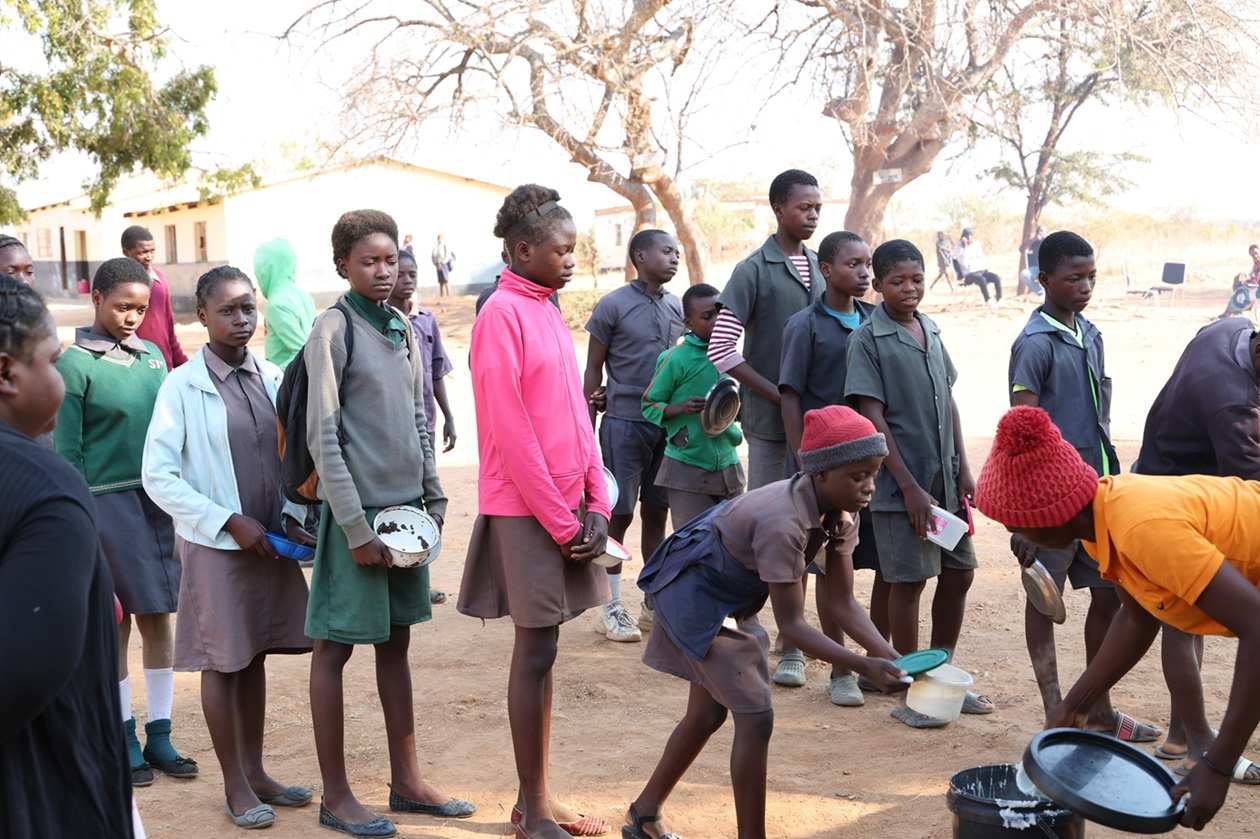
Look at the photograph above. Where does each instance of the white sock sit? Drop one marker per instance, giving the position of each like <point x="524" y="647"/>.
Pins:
<point x="160" y="685"/>
<point x="124" y="698"/>
<point x="614" y="583"/>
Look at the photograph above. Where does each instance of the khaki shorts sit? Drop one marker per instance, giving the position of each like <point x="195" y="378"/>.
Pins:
<point x="905" y="558"/>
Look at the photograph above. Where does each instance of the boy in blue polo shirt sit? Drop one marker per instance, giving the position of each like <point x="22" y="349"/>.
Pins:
<point x="1057" y="365"/>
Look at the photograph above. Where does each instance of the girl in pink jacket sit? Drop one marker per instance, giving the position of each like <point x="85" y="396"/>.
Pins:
<point x="542" y="503"/>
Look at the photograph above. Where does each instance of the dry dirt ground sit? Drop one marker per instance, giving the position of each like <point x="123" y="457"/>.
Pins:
<point x="833" y="772"/>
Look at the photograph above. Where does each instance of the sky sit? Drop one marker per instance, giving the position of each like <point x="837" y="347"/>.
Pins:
<point x="275" y="94"/>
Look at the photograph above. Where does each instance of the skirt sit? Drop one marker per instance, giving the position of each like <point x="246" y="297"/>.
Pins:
<point x="514" y="568"/>
<point x="138" y="540"/>
<point x="350" y="604"/>
<point x="735" y="671"/>
<point x="235" y="606"/>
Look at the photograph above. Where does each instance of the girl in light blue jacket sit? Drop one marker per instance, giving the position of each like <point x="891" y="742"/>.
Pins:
<point x="212" y="462"/>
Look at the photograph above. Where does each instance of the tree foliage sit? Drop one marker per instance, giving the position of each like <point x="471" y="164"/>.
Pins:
<point x="92" y="90"/>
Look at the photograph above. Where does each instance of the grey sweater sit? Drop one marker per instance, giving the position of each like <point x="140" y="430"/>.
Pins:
<point x="387" y="457"/>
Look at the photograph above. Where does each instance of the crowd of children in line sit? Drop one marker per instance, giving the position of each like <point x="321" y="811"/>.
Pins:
<point x="155" y="479"/>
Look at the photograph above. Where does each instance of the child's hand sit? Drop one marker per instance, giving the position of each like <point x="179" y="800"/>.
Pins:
<point x="966" y="484"/>
<point x="919" y="509"/>
<point x="373" y="554"/>
<point x="1063" y="716"/>
<point x="591" y="540"/>
<point x="295" y="532"/>
<point x="887" y="676"/>
<point x="598" y="398"/>
<point x="250" y="536"/>
<point x="694" y="405"/>
<point x="1024" y="550"/>
<point x="448" y="435"/>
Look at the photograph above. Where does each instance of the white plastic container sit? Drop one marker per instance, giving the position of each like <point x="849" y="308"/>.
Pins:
<point x="947" y="529"/>
<point x="940" y="693"/>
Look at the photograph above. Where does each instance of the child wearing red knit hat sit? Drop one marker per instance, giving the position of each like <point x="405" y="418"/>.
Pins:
<point x="708" y="581"/>
<point x="1181" y="550"/>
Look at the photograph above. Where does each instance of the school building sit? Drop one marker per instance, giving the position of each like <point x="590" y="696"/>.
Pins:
<point x="194" y="234"/>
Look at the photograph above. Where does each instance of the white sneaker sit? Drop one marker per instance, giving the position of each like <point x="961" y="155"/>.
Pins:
<point x="615" y="624"/>
<point x="647" y="618"/>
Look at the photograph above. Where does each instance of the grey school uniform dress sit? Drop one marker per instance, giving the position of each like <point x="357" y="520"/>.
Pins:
<point x="720" y="566"/>
<point x="235" y="605"/>
<point x="914" y="384"/>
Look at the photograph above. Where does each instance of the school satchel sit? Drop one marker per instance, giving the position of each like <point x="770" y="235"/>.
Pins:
<point x="298" y="477"/>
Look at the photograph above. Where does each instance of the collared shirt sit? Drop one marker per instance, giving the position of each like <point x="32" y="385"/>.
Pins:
<point x="1163" y="539"/>
<point x="1206" y="420"/>
<point x="433" y="360"/>
<point x="777" y="530"/>
<point x="914" y="383"/>
<point x="764" y="291"/>
<point x="815" y="346"/>
<point x="1065" y="368"/>
<point x="252" y="436"/>
<point x="636" y="327"/>
<point x="125" y="350"/>
<point x="381" y="317"/>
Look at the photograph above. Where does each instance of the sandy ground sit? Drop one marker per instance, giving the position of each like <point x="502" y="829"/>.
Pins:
<point x="833" y="772"/>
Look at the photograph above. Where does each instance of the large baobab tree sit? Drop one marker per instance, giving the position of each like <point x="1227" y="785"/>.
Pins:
<point x="600" y="79"/>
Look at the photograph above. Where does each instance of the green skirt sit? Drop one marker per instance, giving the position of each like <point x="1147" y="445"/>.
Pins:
<point x="350" y="604"/>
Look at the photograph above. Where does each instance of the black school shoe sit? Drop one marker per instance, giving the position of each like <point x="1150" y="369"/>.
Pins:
<point x="160" y="754"/>
<point x="377" y="827"/>
<point x="454" y="808"/>
<point x="142" y="775"/>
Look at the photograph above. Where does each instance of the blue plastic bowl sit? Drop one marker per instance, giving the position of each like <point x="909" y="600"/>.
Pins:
<point x="290" y="550"/>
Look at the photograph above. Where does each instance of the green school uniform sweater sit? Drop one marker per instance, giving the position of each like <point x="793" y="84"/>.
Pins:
<point x="682" y="372"/>
<point x="109" y="400"/>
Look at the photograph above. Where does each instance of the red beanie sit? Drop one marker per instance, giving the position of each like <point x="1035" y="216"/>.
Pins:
<point x="1033" y="478"/>
<point x="837" y="435"/>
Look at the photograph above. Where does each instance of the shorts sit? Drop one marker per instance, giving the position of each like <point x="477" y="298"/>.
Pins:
<point x="633" y="452"/>
<point x="1072" y="564"/>
<point x="905" y="558"/>
<point x="865" y="554"/>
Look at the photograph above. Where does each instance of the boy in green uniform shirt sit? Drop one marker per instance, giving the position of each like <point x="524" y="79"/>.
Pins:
<point x="697" y="470"/>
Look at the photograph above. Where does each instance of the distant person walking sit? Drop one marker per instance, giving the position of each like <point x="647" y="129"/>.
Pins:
<point x="290" y="311"/>
<point x="444" y="261"/>
<point x="944" y="260"/>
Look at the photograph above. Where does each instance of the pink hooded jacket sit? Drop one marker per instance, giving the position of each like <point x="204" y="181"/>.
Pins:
<point x="538" y="451"/>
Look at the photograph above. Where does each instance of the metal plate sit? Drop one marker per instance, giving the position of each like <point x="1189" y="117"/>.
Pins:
<point x="922" y="661"/>
<point x="1042" y="593"/>
<point x="1104" y="780"/>
<point x="721" y="407"/>
<point x="614" y="491"/>
<point x="614" y="554"/>
<point x="412" y="535"/>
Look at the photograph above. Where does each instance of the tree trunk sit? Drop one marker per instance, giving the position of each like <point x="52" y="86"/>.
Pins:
<point x="688" y="236"/>
<point x="867" y="204"/>
<point x="644" y="217"/>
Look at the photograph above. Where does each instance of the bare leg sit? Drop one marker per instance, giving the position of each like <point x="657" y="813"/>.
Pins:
<point x="949" y="606"/>
<point x="219" y="704"/>
<point x="1182" y="657"/>
<point x="251" y="718"/>
<point x="827" y="619"/>
<point x="1103" y="605"/>
<point x="1039" y="635"/>
<point x="653" y="521"/>
<point x="529" y="715"/>
<point x="328" y="718"/>
<point x="703" y="717"/>
<point x="879" y="605"/>
<point x="749" y="757"/>
<point x="124" y="640"/>
<point x="157" y="641"/>
<point x="903" y="615"/>
<point x="393" y="683"/>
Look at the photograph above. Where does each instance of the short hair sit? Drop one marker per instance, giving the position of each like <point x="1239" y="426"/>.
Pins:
<point x="114" y="272"/>
<point x="781" y="186"/>
<point x="10" y="242"/>
<point x="887" y="256"/>
<point x="642" y="239"/>
<point x="699" y="291"/>
<point x="23" y="317"/>
<point x="357" y="225"/>
<point x="966" y="231"/>
<point x="1249" y="249"/>
<point x="409" y="256"/>
<point x="831" y="243"/>
<point x="134" y="235"/>
<point x="529" y="212"/>
<point x="1058" y="246"/>
<point x="215" y="277"/>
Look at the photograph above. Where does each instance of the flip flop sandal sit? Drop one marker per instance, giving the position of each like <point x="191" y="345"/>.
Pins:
<point x="1130" y="730"/>
<point x="1241" y="766"/>
<point x="914" y="719"/>
<point x="289" y="797"/>
<point x="255" y="818"/>
<point x="636" y="831"/>
<point x="978" y="704"/>
<point x="1162" y="753"/>
<point x="584" y="826"/>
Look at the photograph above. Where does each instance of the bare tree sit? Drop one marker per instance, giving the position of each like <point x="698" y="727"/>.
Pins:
<point x="1130" y="52"/>
<point x="589" y="75"/>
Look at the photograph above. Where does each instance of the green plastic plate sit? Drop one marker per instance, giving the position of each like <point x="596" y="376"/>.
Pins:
<point x="923" y="660"/>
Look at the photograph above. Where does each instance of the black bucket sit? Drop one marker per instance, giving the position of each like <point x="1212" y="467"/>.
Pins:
<point x="987" y="804"/>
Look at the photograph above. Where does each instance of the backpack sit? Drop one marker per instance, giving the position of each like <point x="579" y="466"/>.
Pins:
<point x="298" y="478"/>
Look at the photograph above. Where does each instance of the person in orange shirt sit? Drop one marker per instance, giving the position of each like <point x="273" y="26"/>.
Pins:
<point x="1182" y="550"/>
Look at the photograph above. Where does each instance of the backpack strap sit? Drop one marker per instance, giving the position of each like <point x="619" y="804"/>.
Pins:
<point x="341" y="307"/>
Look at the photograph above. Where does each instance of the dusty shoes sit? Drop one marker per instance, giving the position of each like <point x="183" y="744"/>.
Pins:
<point x="791" y="670"/>
<point x="615" y="624"/>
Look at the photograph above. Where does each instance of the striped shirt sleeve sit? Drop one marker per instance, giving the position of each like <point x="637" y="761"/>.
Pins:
<point x="723" y="343"/>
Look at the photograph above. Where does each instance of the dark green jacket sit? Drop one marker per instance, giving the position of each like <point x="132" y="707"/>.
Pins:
<point x="682" y="372"/>
<point x="764" y="291"/>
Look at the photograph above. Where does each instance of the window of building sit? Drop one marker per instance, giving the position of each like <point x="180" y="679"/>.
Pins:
<point x="172" y="255"/>
<point x="620" y="235"/>
<point x="199" y="241"/>
<point x="43" y="243"/>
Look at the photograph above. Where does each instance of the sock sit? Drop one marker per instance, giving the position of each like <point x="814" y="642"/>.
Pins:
<point x="160" y="686"/>
<point x="124" y="698"/>
<point x="614" y="583"/>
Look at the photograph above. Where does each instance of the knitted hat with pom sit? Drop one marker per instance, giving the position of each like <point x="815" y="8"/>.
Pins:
<point x="837" y="435"/>
<point x="1033" y="478"/>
